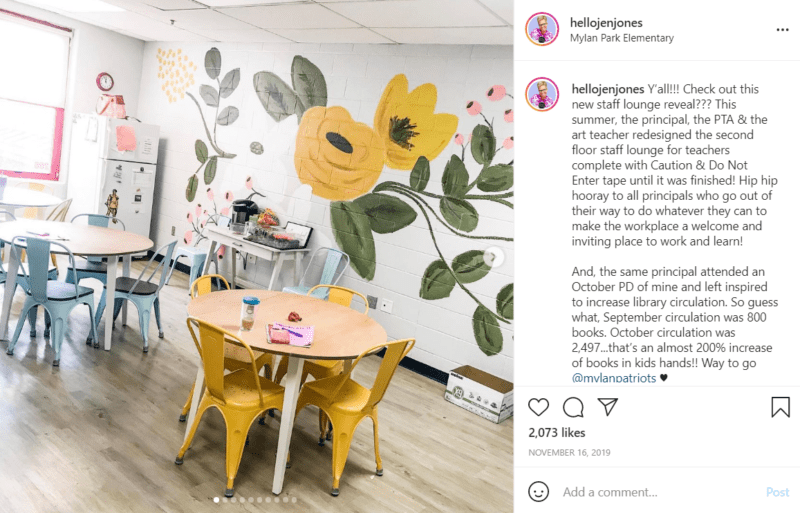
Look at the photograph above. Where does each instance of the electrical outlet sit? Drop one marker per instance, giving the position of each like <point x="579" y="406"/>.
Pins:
<point x="386" y="306"/>
<point x="251" y="259"/>
<point x="173" y="230"/>
<point x="372" y="301"/>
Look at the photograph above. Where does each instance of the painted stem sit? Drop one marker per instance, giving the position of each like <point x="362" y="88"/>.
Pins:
<point x="407" y="192"/>
<point x="221" y="154"/>
<point x="441" y="256"/>
<point x="489" y="197"/>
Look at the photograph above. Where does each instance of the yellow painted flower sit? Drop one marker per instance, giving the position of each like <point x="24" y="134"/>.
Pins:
<point x="407" y="125"/>
<point x="338" y="157"/>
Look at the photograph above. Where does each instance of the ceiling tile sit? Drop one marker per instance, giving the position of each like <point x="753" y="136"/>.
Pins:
<point x="167" y="5"/>
<point x="292" y="16"/>
<point x="251" y="35"/>
<point x="357" y="35"/>
<point x="206" y="19"/>
<point x="450" y="36"/>
<point x="228" y="3"/>
<point x="137" y="24"/>
<point x="417" y="13"/>
<point x="502" y="8"/>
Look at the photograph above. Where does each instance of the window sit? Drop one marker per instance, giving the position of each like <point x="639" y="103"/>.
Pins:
<point x="32" y="96"/>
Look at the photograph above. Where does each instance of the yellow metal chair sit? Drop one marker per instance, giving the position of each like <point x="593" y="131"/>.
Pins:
<point x="324" y="368"/>
<point x="236" y="357"/>
<point x="33" y="212"/>
<point x="240" y="396"/>
<point x="347" y="403"/>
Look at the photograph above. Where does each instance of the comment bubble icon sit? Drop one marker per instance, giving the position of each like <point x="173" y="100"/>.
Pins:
<point x="573" y="407"/>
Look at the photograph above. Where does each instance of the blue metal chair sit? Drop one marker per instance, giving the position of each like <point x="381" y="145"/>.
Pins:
<point x="93" y="267"/>
<point x="143" y="294"/>
<point x="197" y="256"/>
<point x="52" y="274"/>
<point x="57" y="298"/>
<point x="335" y="263"/>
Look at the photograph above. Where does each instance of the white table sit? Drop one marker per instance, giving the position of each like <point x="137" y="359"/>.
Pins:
<point x="19" y="197"/>
<point x="82" y="240"/>
<point x="218" y="235"/>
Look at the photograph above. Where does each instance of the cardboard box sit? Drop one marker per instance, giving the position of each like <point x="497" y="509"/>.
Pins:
<point x="481" y="393"/>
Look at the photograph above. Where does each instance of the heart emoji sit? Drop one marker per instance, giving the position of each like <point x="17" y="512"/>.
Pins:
<point x="538" y="406"/>
<point x="664" y="377"/>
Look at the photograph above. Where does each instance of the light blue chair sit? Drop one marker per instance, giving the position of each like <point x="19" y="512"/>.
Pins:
<point x="57" y="298"/>
<point x="93" y="267"/>
<point x="52" y="274"/>
<point x="332" y="269"/>
<point x="143" y="294"/>
<point x="197" y="256"/>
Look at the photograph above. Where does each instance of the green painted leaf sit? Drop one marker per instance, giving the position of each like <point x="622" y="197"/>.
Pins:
<point x="487" y="331"/>
<point x="437" y="281"/>
<point x="228" y="116"/>
<point x="209" y="95"/>
<point x="309" y="83"/>
<point x="213" y="63"/>
<point x="470" y="266"/>
<point x="505" y="302"/>
<point x="420" y="174"/>
<point x="229" y="83"/>
<point x="387" y="214"/>
<point x="211" y="170"/>
<point x="191" y="188"/>
<point x="483" y="145"/>
<point x="201" y="151"/>
<point x="351" y="228"/>
<point x="455" y="180"/>
<point x="459" y="214"/>
<point x="278" y="99"/>
<point x="496" y="178"/>
<point x="256" y="148"/>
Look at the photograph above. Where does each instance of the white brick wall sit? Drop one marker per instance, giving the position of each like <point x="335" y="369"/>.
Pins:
<point x="356" y="76"/>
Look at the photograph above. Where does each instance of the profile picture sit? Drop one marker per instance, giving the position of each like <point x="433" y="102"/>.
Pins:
<point x="542" y="29"/>
<point x="542" y="94"/>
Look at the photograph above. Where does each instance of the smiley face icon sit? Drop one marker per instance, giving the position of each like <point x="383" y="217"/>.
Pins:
<point x="538" y="491"/>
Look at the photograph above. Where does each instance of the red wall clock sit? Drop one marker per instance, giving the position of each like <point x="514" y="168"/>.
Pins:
<point x="104" y="81"/>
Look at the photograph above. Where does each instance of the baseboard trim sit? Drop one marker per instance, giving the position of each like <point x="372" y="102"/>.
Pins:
<point x="411" y="364"/>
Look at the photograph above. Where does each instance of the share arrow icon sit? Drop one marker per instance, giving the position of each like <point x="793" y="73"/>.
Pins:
<point x="608" y="404"/>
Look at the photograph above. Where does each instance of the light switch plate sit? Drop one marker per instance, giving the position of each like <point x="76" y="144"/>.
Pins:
<point x="386" y="306"/>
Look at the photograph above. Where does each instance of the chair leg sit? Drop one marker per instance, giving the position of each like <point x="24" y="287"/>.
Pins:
<point x="144" y="327"/>
<point x="201" y="409"/>
<point x="46" y="323"/>
<point x="158" y="317"/>
<point x="32" y="321"/>
<point x="117" y="308"/>
<point x="323" y="426"/>
<point x="28" y="306"/>
<point x="378" y="462"/>
<point x="187" y="406"/>
<point x="98" y="314"/>
<point x="58" y="336"/>
<point x="93" y="329"/>
<point x="343" y="430"/>
<point x="237" y="424"/>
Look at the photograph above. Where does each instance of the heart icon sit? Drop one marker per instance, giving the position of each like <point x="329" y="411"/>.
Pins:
<point x="664" y="377"/>
<point x="538" y="406"/>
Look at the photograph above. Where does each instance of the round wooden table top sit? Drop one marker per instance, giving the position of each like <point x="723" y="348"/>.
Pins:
<point x="81" y="239"/>
<point x="340" y="333"/>
<point x="19" y="197"/>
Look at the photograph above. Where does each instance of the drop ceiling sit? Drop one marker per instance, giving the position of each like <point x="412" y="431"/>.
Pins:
<point x="304" y="21"/>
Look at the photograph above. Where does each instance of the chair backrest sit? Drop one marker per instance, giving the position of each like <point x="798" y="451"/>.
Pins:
<point x="395" y="351"/>
<point x="100" y="221"/>
<point x="202" y="285"/>
<point x="340" y="295"/>
<point x="5" y="215"/>
<point x="211" y="346"/>
<point x="38" y="254"/>
<point x="163" y="265"/>
<point x="33" y="212"/>
<point x="332" y="268"/>
<point x="59" y="212"/>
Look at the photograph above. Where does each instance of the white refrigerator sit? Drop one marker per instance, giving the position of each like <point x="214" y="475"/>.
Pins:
<point x="112" y="169"/>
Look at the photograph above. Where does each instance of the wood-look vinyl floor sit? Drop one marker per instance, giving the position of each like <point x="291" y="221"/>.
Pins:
<point x="101" y="432"/>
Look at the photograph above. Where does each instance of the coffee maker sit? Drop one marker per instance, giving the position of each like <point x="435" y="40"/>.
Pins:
<point x="241" y="210"/>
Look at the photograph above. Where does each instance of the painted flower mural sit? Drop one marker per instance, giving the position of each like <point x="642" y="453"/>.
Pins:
<point x="179" y="77"/>
<point x="342" y="160"/>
